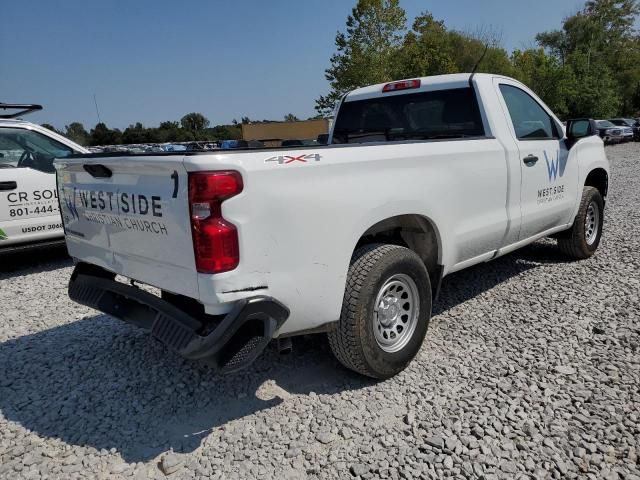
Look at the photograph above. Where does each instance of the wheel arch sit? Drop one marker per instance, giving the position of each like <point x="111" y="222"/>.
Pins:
<point x="598" y="178"/>
<point x="414" y="231"/>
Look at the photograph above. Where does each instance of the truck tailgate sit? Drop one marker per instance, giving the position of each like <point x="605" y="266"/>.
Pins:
<point x="130" y="215"/>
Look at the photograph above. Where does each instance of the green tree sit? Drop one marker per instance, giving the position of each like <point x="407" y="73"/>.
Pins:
<point x="194" y="122"/>
<point x="136" y="134"/>
<point x="181" y="135"/>
<point x="367" y="51"/>
<point x="470" y="49"/>
<point x="169" y="125"/>
<point x="76" y="132"/>
<point x="600" y="46"/>
<point x="103" y="135"/>
<point x="597" y="93"/>
<point x="432" y="49"/>
<point x="552" y="82"/>
<point x="225" y="132"/>
<point x="167" y="131"/>
<point x="290" y="117"/>
<point x="557" y="43"/>
<point x="427" y="49"/>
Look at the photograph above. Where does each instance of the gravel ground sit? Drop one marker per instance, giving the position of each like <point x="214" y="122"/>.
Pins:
<point x="531" y="369"/>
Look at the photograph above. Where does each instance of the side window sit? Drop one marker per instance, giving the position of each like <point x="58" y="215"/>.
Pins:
<point x="22" y="148"/>
<point x="530" y="120"/>
<point x="412" y="116"/>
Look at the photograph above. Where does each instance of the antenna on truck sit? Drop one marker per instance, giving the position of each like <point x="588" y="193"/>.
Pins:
<point x="97" y="110"/>
<point x="475" y="67"/>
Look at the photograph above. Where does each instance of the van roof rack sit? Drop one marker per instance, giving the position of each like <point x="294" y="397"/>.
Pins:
<point x="22" y="109"/>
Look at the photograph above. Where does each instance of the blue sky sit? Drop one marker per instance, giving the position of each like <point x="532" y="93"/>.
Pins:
<point x="155" y="60"/>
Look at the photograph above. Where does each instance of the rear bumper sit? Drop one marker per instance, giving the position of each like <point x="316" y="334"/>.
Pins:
<point x="235" y="342"/>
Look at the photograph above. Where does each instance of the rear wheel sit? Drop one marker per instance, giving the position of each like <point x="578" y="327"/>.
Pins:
<point x="385" y="311"/>
<point x="582" y="240"/>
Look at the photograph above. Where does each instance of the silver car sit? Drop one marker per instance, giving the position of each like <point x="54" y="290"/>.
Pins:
<point x="609" y="132"/>
<point x="628" y="124"/>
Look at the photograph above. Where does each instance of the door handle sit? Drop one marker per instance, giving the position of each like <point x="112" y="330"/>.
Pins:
<point x="8" y="185"/>
<point x="530" y="160"/>
<point x="97" y="170"/>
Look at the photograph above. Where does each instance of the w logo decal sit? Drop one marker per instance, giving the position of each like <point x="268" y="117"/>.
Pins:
<point x="553" y="166"/>
<point x="70" y="203"/>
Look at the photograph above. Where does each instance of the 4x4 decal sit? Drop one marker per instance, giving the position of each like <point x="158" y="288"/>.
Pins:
<point x="287" y="159"/>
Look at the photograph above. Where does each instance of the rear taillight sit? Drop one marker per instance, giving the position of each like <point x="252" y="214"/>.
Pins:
<point x="215" y="240"/>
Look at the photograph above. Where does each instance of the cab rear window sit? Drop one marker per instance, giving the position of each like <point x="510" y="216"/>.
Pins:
<point x="452" y="113"/>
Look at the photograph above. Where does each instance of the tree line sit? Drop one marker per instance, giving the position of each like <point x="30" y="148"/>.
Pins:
<point x="588" y="68"/>
<point x="193" y="126"/>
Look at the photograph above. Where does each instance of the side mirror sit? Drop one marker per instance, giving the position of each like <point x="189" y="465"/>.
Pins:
<point x="580" y="128"/>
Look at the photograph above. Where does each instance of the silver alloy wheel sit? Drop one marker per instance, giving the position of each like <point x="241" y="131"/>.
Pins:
<point x="591" y="223"/>
<point x="396" y="312"/>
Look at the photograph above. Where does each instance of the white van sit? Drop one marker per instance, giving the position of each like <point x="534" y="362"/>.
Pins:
<point x="29" y="212"/>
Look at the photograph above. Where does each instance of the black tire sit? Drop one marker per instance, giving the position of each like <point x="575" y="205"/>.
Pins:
<point x="353" y="341"/>
<point x="574" y="242"/>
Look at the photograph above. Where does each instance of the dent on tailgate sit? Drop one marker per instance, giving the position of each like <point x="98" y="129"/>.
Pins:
<point x="130" y="216"/>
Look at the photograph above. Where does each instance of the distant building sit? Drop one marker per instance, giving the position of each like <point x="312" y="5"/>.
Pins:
<point x="275" y="132"/>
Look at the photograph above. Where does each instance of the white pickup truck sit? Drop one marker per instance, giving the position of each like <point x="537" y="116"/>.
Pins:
<point x="422" y="178"/>
<point x="29" y="215"/>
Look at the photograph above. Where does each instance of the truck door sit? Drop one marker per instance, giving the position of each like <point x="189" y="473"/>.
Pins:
<point x="549" y="170"/>
<point x="28" y="196"/>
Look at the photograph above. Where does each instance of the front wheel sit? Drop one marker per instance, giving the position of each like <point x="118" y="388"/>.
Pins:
<point x="385" y="311"/>
<point x="582" y="240"/>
